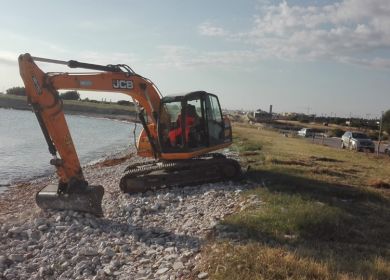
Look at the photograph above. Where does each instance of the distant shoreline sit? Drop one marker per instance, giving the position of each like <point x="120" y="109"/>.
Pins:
<point x="83" y="108"/>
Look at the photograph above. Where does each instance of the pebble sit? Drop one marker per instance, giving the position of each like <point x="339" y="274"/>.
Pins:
<point x="153" y="235"/>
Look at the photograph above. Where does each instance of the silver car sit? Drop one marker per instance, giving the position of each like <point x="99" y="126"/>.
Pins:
<point x="357" y="141"/>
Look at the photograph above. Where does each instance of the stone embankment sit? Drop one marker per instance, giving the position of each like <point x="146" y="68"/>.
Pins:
<point x="156" y="235"/>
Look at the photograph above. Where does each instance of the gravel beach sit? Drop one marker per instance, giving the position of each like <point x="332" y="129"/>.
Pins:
<point x="156" y="235"/>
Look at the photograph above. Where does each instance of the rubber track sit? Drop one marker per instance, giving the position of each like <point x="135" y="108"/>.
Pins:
<point x="152" y="175"/>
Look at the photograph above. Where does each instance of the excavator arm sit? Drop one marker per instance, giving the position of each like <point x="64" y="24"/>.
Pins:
<point x="41" y="89"/>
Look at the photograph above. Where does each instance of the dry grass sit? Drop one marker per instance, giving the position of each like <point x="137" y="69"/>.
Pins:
<point x="247" y="262"/>
<point x="324" y="214"/>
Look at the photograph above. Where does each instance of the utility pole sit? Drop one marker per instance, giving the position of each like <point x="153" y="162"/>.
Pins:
<point x="380" y="134"/>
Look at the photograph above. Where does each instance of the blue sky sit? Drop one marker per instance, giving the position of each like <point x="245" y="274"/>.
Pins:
<point x="324" y="57"/>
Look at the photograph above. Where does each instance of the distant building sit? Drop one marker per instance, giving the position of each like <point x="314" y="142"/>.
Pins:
<point x="262" y="116"/>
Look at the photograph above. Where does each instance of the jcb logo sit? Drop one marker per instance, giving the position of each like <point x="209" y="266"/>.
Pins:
<point x="122" y="84"/>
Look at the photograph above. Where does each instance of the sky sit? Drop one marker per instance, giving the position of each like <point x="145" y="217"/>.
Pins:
<point x="331" y="58"/>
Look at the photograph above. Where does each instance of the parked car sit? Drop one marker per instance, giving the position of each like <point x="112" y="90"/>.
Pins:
<point x="387" y="150"/>
<point x="357" y="141"/>
<point x="306" y="132"/>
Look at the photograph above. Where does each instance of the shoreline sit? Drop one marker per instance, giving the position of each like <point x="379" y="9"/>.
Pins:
<point x="49" y="173"/>
<point x="34" y="184"/>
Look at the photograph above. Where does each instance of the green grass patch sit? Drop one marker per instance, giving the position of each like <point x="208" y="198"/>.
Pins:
<point x="290" y="217"/>
<point x="323" y="213"/>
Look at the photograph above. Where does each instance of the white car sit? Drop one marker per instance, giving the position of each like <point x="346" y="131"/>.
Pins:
<point x="357" y="141"/>
<point x="306" y="132"/>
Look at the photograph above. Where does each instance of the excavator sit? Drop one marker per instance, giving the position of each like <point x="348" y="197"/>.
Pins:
<point x="179" y="133"/>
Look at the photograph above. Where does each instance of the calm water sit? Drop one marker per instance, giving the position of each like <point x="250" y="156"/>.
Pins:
<point x="24" y="153"/>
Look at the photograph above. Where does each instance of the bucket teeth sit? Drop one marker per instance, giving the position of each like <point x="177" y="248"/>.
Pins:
<point x="89" y="200"/>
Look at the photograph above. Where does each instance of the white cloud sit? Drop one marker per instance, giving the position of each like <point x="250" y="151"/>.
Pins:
<point x="208" y="29"/>
<point x="356" y="30"/>
<point x="349" y="29"/>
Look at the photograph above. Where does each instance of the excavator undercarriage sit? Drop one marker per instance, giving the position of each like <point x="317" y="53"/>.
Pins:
<point x="154" y="175"/>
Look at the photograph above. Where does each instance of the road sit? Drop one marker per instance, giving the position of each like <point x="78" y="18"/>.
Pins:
<point x="336" y="142"/>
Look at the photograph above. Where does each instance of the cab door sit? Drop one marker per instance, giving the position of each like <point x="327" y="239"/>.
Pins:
<point x="215" y="121"/>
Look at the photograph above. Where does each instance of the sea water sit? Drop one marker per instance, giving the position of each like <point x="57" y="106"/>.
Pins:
<point x="24" y="153"/>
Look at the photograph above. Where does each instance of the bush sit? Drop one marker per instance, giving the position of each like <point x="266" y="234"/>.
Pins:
<point x="123" y="102"/>
<point x="337" y="132"/>
<point x="70" y="95"/>
<point x="386" y="122"/>
<point x="373" y="135"/>
<point x="20" y="91"/>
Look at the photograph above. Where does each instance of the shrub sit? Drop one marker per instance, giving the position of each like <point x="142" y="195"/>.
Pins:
<point x="123" y="102"/>
<point x="20" y="91"/>
<point x="337" y="132"/>
<point x="70" y="95"/>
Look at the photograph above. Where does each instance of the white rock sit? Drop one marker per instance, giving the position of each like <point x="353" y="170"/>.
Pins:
<point x="162" y="270"/>
<point x="143" y="261"/>
<point x="170" y="250"/>
<point x="178" y="266"/>
<point x="203" y="275"/>
<point x="43" y="227"/>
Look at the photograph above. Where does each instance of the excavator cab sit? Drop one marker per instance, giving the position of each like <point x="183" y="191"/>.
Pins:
<point x="192" y="123"/>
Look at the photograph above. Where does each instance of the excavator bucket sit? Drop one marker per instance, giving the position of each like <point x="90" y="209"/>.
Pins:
<point x="89" y="200"/>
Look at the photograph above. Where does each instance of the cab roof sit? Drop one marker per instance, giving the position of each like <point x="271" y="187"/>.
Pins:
<point x="188" y="96"/>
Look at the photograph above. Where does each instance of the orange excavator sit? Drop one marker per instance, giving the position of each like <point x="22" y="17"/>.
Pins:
<point x="179" y="133"/>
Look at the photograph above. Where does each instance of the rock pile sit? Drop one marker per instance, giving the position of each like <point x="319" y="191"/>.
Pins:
<point x="156" y="235"/>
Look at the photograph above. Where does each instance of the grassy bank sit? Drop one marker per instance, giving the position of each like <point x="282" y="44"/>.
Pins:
<point x="324" y="213"/>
